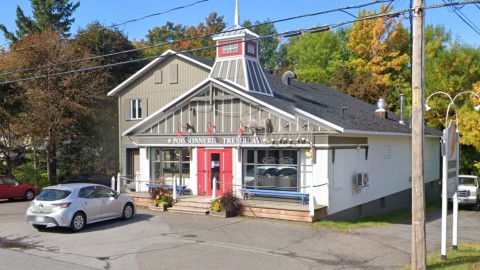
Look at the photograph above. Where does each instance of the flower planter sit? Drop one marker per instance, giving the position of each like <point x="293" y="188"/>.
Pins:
<point x="221" y="213"/>
<point x="159" y="208"/>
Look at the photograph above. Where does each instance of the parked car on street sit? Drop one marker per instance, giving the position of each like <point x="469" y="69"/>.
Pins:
<point x="11" y="188"/>
<point x="76" y="205"/>
<point x="468" y="190"/>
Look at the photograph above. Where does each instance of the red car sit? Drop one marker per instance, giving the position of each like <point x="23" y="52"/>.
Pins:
<point x="11" y="188"/>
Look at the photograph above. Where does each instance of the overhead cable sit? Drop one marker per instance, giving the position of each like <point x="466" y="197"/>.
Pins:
<point x="284" y="34"/>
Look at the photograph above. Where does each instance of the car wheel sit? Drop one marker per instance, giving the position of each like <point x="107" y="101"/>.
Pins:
<point x="127" y="211"/>
<point x="29" y="195"/>
<point x="78" y="222"/>
<point x="39" y="227"/>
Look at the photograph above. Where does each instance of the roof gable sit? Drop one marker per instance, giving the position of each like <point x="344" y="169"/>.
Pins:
<point x="211" y="101"/>
<point x="203" y="62"/>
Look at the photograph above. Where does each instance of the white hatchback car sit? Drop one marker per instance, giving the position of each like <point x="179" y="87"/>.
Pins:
<point x="76" y="205"/>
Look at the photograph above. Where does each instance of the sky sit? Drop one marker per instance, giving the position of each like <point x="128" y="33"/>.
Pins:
<point x="109" y="12"/>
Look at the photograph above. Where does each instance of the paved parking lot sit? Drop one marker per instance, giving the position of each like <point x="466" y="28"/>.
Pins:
<point x="154" y="240"/>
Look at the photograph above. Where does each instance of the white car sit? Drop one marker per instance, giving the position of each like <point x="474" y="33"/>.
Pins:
<point x="468" y="190"/>
<point x="76" y="205"/>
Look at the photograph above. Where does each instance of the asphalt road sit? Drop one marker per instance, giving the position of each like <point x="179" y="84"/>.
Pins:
<point x="154" y="240"/>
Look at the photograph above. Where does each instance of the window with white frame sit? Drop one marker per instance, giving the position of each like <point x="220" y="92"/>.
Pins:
<point x="230" y="48"/>
<point x="135" y="109"/>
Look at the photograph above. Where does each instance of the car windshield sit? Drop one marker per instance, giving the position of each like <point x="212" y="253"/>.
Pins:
<point x="52" y="195"/>
<point x="466" y="181"/>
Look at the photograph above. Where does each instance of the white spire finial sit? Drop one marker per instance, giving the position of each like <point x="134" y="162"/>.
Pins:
<point x="237" y="14"/>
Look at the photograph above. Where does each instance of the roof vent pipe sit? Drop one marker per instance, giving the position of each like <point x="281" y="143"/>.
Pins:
<point x="380" y="111"/>
<point x="402" y="101"/>
<point x="287" y="76"/>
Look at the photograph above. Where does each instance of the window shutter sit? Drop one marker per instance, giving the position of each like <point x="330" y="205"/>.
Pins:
<point x="144" y="107"/>
<point x="173" y="73"/>
<point x="158" y="77"/>
<point x="126" y="107"/>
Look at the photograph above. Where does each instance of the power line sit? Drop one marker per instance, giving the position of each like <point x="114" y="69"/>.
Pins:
<point x="284" y="34"/>
<point x="194" y="38"/>
<point x="159" y="13"/>
<point x="465" y="19"/>
<point x="130" y="21"/>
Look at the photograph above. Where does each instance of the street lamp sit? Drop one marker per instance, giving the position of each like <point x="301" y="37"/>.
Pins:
<point x="450" y="160"/>
<point x="452" y="102"/>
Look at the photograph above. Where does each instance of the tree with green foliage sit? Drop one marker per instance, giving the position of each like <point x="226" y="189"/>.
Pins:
<point x="95" y="146"/>
<point x="180" y="37"/>
<point x="11" y="144"/>
<point x="315" y="57"/>
<point x="379" y="59"/>
<point x="54" y="103"/>
<point x="267" y="46"/>
<point x="47" y="14"/>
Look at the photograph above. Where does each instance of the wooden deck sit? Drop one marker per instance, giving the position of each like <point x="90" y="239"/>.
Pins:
<point x="257" y="208"/>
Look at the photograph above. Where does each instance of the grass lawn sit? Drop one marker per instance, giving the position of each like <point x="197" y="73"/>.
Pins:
<point x="467" y="257"/>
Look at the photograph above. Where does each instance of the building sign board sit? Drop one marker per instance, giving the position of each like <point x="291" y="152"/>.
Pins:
<point x="451" y="153"/>
<point x="214" y="140"/>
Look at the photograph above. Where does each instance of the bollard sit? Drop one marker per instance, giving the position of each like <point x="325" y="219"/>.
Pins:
<point x="174" y="187"/>
<point x="113" y="183"/>
<point x="311" y="207"/>
<point x="214" y="188"/>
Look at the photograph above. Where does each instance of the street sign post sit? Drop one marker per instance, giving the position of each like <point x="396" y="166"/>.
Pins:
<point x="450" y="156"/>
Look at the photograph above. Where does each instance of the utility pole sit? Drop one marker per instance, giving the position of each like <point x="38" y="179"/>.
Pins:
<point x="419" y="256"/>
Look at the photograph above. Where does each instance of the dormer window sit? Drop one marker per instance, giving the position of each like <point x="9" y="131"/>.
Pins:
<point x="230" y="48"/>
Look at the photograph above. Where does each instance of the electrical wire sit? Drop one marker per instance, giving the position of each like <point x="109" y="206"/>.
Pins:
<point x="284" y="34"/>
<point x="465" y="19"/>
<point x="193" y="38"/>
<point x="127" y="22"/>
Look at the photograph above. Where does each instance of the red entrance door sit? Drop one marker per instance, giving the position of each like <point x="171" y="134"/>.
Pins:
<point x="214" y="165"/>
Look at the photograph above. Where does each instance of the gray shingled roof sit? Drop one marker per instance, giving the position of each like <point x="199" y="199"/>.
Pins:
<point x="205" y="61"/>
<point x="327" y="104"/>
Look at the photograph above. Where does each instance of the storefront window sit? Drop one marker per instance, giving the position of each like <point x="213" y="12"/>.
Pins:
<point x="271" y="169"/>
<point x="167" y="163"/>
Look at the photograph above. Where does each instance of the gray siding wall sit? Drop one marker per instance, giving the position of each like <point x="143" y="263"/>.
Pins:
<point x="158" y="87"/>
<point x="228" y="114"/>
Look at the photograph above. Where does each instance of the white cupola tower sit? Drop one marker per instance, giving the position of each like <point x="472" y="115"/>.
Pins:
<point x="238" y="59"/>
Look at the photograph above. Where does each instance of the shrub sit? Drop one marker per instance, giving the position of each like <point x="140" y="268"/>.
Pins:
<point x="229" y="203"/>
<point x="160" y="196"/>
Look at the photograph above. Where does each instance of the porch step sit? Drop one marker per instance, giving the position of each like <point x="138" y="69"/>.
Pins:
<point x="282" y="214"/>
<point x="196" y="206"/>
<point x="142" y="201"/>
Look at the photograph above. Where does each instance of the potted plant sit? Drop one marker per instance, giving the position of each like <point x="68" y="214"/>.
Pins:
<point x="161" y="199"/>
<point x="227" y="205"/>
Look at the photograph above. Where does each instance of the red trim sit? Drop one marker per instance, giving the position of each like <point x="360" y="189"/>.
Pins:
<point x="204" y="170"/>
<point x="201" y="190"/>
<point x="250" y="42"/>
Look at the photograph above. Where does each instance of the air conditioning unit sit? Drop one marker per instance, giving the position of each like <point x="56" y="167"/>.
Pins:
<point x="362" y="179"/>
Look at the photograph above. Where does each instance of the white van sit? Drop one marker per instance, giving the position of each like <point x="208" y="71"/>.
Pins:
<point x="468" y="190"/>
